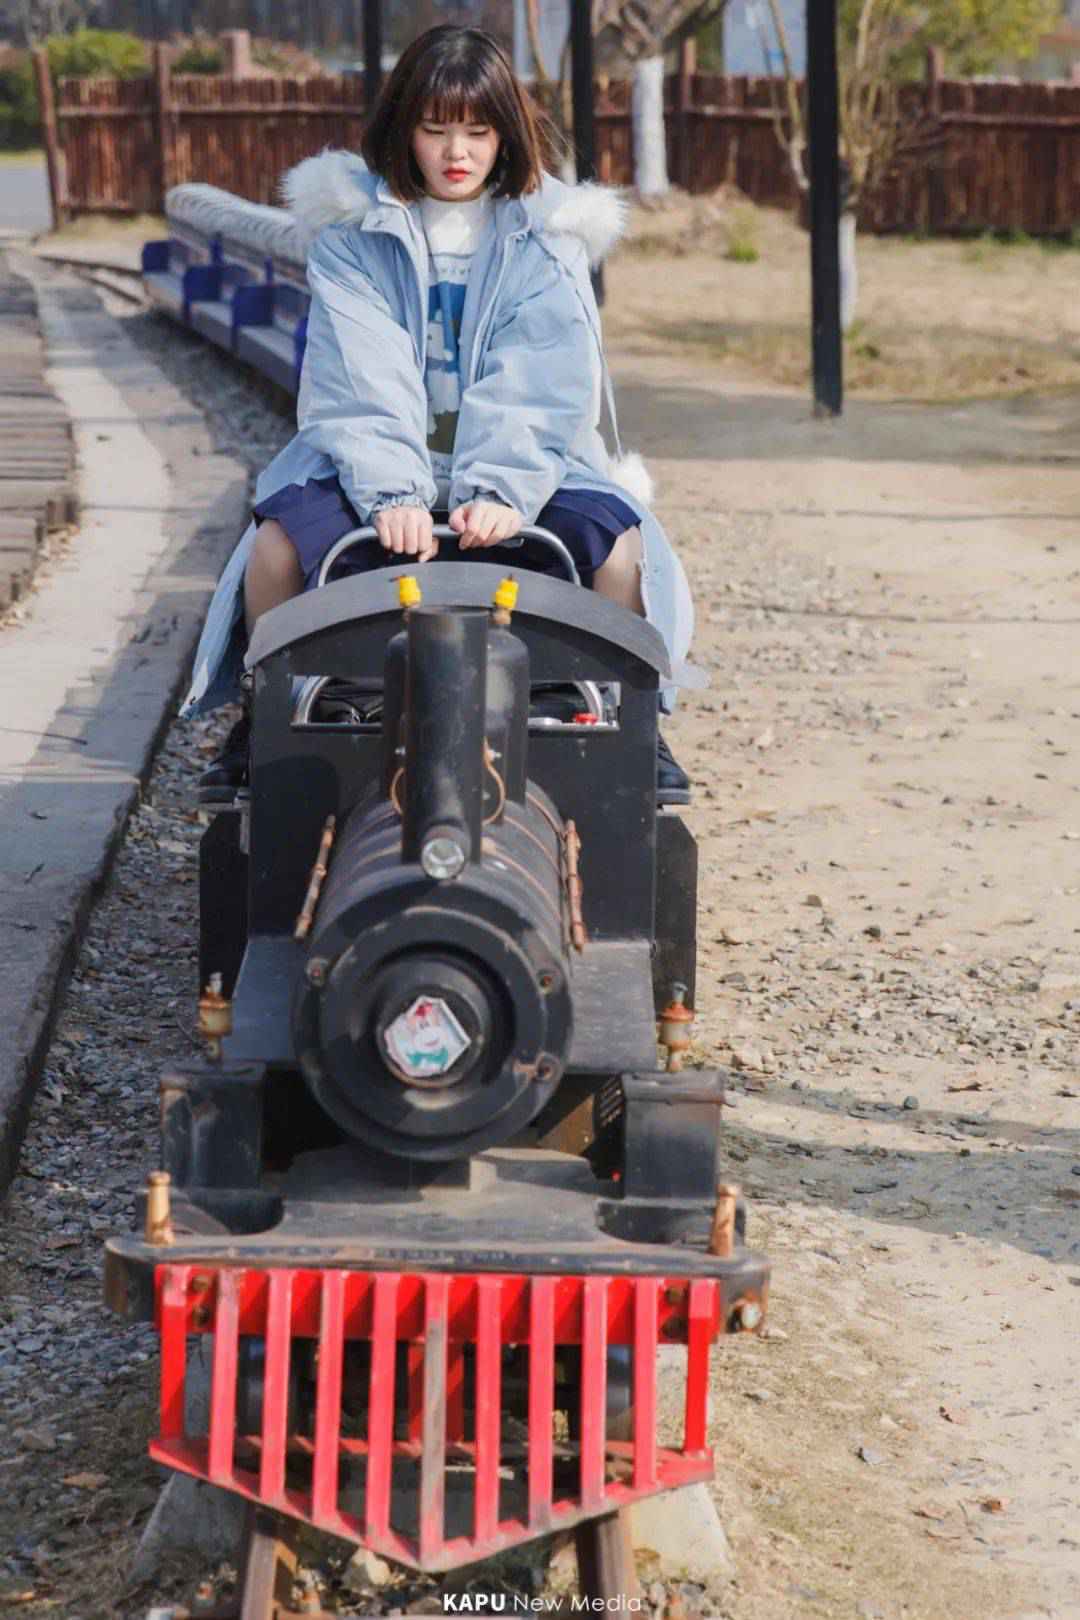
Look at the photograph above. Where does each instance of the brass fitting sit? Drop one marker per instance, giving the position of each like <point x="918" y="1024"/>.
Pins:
<point x="504" y="601"/>
<point x="158" y="1229"/>
<point x="215" y="1016"/>
<point x="675" y="1027"/>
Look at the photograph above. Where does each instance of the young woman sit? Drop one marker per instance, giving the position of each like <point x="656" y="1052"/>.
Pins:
<point x="453" y="364"/>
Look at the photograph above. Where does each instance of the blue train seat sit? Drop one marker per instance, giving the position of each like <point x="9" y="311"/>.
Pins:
<point x="235" y="271"/>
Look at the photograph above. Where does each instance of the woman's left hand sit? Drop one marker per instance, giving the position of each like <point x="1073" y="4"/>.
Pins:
<point x="484" y="523"/>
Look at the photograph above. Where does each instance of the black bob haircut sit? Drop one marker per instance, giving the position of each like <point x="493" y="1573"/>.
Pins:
<point x="455" y="74"/>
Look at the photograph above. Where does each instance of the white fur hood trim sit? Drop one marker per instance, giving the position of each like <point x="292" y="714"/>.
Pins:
<point x="631" y="472"/>
<point x="337" y="188"/>
<point x="333" y="188"/>
<point x="595" y="214"/>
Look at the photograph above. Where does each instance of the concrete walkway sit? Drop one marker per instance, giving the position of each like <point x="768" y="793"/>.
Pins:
<point x="24" y="195"/>
<point x="88" y="678"/>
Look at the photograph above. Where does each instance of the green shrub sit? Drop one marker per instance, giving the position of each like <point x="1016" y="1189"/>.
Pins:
<point x="741" y="252"/>
<point x="741" y="229"/>
<point x="89" y="53"/>
<point x="202" y="55"/>
<point x="96" y="53"/>
<point x="282" y="57"/>
<point x="18" y="107"/>
<point x="1065" y="242"/>
<point x="1014" y="236"/>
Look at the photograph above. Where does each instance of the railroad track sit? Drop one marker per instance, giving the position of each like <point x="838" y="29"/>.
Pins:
<point x="109" y="276"/>
<point x="37" y="457"/>
<point x="268" y="1567"/>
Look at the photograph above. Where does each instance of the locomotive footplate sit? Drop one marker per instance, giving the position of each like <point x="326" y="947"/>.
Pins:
<point x="514" y="1209"/>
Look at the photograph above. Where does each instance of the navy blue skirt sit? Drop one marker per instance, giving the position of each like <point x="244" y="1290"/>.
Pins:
<point x="315" y="515"/>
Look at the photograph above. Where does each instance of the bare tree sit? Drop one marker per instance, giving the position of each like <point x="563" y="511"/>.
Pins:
<point x="872" y="131"/>
<point x="644" y="30"/>
<point x="875" y="135"/>
<point x="878" y="43"/>
<point x="38" y="19"/>
<point x="640" y="33"/>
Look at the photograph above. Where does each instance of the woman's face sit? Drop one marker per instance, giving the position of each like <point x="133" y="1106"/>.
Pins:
<point x="454" y="159"/>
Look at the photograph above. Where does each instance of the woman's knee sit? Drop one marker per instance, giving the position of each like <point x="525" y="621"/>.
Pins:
<point x="273" y="555"/>
<point x="619" y="578"/>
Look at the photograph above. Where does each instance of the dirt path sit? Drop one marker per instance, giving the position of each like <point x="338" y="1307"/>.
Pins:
<point x="889" y="809"/>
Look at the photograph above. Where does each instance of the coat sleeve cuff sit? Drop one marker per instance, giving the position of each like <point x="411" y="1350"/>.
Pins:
<point x="462" y="495"/>
<point x="383" y="503"/>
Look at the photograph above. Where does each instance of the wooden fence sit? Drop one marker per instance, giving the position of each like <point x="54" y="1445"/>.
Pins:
<point x="993" y="155"/>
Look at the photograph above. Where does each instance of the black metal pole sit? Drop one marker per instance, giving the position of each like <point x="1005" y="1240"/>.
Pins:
<point x="581" y="72"/>
<point x="373" y="46"/>
<point x="823" y="120"/>
<point x="582" y="94"/>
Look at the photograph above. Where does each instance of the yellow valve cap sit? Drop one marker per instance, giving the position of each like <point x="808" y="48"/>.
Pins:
<point x="507" y="594"/>
<point x="408" y="590"/>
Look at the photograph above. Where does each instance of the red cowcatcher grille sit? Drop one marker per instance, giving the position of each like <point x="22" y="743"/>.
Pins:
<point x="433" y="1435"/>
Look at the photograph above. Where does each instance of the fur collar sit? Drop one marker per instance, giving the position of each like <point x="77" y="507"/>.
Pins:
<point x="337" y="188"/>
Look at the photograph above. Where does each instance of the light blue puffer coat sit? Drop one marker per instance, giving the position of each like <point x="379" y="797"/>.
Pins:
<point x="534" y="379"/>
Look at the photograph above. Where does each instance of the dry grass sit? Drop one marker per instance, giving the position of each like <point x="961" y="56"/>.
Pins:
<point x="937" y="320"/>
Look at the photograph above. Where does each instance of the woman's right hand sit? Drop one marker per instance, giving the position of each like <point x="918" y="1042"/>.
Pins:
<point x="407" y="531"/>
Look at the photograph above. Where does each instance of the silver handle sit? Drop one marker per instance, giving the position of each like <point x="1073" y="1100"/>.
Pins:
<point x="443" y="531"/>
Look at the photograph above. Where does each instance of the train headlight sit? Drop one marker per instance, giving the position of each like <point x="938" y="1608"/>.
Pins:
<point x="442" y="856"/>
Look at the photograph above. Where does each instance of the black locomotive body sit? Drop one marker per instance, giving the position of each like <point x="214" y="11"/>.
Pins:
<point x="430" y="1178"/>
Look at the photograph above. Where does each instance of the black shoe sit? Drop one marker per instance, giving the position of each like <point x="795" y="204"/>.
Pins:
<point x="221" y="779"/>
<point x="672" y="782"/>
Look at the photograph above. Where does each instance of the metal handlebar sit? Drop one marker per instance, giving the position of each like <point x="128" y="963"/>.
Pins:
<point x="443" y="531"/>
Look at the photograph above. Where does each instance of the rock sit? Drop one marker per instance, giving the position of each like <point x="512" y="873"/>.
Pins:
<point x="41" y="1439"/>
<point x="190" y="1516"/>
<point x="910" y="1103"/>
<point x="682" y="1530"/>
<point x="760" y="1396"/>
<point x="366" y="1569"/>
<point x="562" y="1569"/>
<point x="746" y="1057"/>
<point x="872" y="1458"/>
<point x="814" y="900"/>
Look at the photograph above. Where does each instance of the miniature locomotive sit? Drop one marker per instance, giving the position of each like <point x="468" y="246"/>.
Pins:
<point x="429" y="1192"/>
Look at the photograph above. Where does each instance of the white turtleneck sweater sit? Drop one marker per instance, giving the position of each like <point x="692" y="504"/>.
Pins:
<point x="455" y="231"/>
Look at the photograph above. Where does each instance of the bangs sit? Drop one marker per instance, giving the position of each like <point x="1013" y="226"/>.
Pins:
<point x="460" y="103"/>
